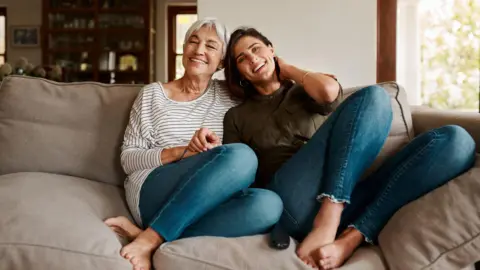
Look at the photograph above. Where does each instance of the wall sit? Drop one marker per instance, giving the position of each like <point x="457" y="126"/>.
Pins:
<point x="23" y="12"/>
<point x="408" y="50"/>
<point x="331" y="36"/>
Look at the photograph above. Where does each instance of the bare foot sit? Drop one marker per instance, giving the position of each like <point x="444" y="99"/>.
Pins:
<point x="324" y="229"/>
<point x="123" y="227"/>
<point x="139" y="252"/>
<point x="334" y="255"/>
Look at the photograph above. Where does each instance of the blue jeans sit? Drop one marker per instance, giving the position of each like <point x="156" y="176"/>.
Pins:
<point x="207" y="194"/>
<point x="333" y="161"/>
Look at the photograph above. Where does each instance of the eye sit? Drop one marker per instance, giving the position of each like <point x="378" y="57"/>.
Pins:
<point x="255" y="49"/>
<point x="240" y="59"/>
<point x="193" y="41"/>
<point x="212" y="47"/>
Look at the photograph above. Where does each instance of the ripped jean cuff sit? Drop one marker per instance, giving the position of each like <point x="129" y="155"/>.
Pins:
<point x="333" y="198"/>
<point x="366" y="234"/>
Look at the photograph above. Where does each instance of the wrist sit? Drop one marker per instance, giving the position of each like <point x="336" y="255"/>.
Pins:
<point x="179" y="151"/>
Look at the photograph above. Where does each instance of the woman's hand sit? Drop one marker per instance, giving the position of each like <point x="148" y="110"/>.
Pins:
<point x="203" y="140"/>
<point x="320" y="86"/>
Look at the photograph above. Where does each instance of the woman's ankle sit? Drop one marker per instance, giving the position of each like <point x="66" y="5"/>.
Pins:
<point x="329" y="213"/>
<point x="150" y="238"/>
<point x="353" y="236"/>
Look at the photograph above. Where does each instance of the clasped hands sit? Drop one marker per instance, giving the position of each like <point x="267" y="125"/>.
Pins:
<point x="203" y="140"/>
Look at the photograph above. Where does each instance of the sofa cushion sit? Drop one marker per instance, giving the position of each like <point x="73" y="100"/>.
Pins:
<point x="249" y="252"/>
<point x="401" y="132"/>
<point x="441" y="230"/>
<point x="72" y="129"/>
<point x="56" y="222"/>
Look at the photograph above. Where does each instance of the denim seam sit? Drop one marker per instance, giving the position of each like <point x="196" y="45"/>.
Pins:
<point x="292" y="219"/>
<point x="397" y="175"/>
<point x="348" y="148"/>
<point x="183" y="186"/>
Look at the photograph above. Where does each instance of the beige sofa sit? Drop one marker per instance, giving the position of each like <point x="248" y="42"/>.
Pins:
<point x="60" y="177"/>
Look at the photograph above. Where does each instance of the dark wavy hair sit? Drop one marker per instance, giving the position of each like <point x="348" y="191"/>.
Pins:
<point x="232" y="74"/>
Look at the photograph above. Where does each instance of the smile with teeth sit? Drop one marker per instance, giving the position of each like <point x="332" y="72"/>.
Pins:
<point x="198" y="61"/>
<point x="257" y="68"/>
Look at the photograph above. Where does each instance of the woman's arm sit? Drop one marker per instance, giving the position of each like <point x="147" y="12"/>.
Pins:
<point x="136" y="151"/>
<point x="323" y="88"/>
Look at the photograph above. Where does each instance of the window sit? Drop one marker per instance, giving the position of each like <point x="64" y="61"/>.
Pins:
<point x="437" y="53"/>
<point x="180" y="18"/>
<point x="3" y="36"/>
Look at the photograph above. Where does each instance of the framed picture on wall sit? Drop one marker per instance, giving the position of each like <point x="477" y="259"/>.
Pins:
<point x="25" y="36"/>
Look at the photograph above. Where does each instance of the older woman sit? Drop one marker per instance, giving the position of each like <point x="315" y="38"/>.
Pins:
<point x="181" y="181"/>
<point x="315" y="163"/>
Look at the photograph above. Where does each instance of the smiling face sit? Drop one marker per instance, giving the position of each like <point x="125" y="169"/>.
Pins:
<point x="254" y="60"/>
<point x="202" y="53"/>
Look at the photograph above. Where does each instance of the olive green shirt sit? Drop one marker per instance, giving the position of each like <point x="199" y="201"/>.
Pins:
<point x="276" y="126"/>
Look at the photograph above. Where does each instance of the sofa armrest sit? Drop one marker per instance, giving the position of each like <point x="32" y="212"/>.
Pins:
<point x="425" y="118"/>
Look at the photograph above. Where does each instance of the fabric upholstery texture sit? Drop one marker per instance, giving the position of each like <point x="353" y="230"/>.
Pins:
<point x="56" y="222"/>
<point x="250" y="252"/>
<point x="440" y="231"/>
<point x="65" y="128"/>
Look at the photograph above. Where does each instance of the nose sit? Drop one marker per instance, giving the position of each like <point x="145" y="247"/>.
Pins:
<point x="252" y="58"/>
<point x="200" y="49"/>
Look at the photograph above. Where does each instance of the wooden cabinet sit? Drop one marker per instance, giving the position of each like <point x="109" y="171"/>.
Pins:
<point x="109" y="41"/>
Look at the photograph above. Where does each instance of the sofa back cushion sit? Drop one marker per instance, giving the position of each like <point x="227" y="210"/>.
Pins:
<point x="77" y="129"/>
<point x="72" y="129"/>
<point x="401" y="132"/>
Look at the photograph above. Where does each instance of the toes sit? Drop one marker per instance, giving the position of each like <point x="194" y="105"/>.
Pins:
<point x="327" y="263"/>
<point x="124" y="253"/>
<point x="111" y="221"/>
<point x="309" y="261"/>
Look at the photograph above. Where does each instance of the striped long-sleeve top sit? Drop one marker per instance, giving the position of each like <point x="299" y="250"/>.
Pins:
<point x="158" y="122"/>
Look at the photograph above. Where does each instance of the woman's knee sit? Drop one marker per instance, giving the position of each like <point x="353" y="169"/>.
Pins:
<point x="458" y="144"/>
<point x="376" y="93"/>
<point x="266" y="207"/>
<point x="240" y="159"/>
<point x="377" y="101"/>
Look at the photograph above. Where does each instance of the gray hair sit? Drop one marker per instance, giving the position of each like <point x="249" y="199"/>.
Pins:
<point x="222" y="31"/>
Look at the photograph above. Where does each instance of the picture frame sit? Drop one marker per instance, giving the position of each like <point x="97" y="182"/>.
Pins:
<point x="25" y="36"/>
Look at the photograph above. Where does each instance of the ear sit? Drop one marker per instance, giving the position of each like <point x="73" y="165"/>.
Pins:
<point x="272" y="49"/>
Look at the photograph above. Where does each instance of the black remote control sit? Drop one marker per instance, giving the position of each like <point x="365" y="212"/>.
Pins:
<point x="279" y="238"/>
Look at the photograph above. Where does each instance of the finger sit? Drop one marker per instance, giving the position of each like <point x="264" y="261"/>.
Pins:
<point x="191" y="148"/>
<point x="197" y="145"/>
<point x="202" y="136"/>
<point x="213" y="138"/>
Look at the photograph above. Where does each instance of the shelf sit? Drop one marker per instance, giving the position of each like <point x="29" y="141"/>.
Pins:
<point x="71" y="50"/>
<point x="120" y="10"/>
<point x="121" y="30"/>
<point x="71" y="30"/>
<point x="92" y="30"/>
<point x="124" y="51"/>
<point x="94" y="33"/>
<point x="121" y="71"/>
<point x="72" y="10"/>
